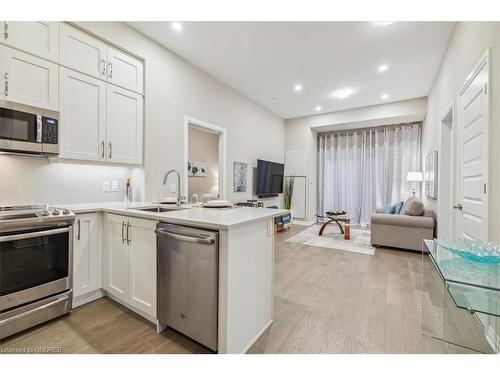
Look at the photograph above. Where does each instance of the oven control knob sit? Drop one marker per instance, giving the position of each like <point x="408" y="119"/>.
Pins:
<point x="56" y="212"/>
<point x="66" y="211"/>
<point x="45" y="213"/>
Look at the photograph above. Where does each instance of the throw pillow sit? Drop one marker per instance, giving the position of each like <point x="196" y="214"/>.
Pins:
<point x="389" y="209"/>
<point x="413" y="207"/>
<point x="399" y="205"/>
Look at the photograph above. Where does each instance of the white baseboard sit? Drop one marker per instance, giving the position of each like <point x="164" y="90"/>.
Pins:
<point x="152" y="319"/>
<point x="257" y="337"/>
<point x="89" y="297"/>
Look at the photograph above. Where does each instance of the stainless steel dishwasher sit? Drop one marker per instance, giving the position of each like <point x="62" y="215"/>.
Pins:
<point x="188" y="266"/>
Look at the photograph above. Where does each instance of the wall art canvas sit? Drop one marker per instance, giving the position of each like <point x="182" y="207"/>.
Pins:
<point x="197" y="169"/>
<point x="240" y="171"/>
<point x="431" y="175"/>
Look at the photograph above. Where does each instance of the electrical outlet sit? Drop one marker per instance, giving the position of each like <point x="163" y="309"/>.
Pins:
<point x="106" y="187"/>
<point x="114" y="186"/>
<point x="173" y="188"/>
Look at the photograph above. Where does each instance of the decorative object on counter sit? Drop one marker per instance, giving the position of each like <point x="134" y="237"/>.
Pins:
<point x="431" y="175"/>
<point x="217" y="204"/>
<point x="288" y="192"/>
<point x="129" y="192"/>
<point x="250" y="203"/>
<point x="240" y="171"/>
<point x="414" y="178"/>
<point x="197" y="169"/>
<point x="472" y="250"/>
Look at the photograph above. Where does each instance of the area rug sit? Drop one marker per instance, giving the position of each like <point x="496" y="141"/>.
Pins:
<point x="333" y="239"/>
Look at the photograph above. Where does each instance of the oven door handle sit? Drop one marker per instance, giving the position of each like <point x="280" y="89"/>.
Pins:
<point x="35" y="310"/>
<point x="24" y="236"/>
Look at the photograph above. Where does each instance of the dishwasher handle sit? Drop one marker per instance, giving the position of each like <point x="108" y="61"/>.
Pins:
<point x="181" y="237"/>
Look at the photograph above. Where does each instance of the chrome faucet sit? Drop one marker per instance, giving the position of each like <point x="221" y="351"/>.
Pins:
<point x="179" y="196"/>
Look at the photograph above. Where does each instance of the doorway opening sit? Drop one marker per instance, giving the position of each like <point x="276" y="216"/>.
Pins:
<point x="205" y="160"/>
<point x="446" y="191"/>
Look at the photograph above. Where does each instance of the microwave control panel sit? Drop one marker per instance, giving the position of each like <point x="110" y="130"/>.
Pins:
<point x="49" y="130"/>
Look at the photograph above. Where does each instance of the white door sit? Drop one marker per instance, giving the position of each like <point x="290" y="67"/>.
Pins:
<point x="86" y="254"/>
<point x="39" y="38"/>
<point x="82" y="116"/>
<point x="117" y="257"/>
<point x="473" y="122"/>
<point x="142" y="265"/>
<point x="125" y="71"/>
<point x="29" y="80"/>
<point x="81" y="52"/>
<point x="124" y="125"/>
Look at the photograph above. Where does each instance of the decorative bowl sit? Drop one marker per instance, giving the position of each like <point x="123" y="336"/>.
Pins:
<point x="476" y="251"/>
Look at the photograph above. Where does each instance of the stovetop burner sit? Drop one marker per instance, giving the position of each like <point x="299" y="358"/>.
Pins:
<point x="12" y="217"/>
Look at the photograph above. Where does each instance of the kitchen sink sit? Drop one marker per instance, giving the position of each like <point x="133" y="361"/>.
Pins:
<point x="161" y="209"/>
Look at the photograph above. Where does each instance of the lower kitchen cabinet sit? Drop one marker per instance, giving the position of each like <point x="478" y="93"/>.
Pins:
<point x="86" y="254"/>
<point x="129" y="272"/>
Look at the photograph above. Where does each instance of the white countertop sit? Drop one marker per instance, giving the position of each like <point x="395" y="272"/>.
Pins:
<point x="193" y="215"/>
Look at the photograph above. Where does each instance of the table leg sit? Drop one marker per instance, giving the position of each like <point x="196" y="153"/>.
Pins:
<point x="347" y="235"/>
<point x="324" y="226"/>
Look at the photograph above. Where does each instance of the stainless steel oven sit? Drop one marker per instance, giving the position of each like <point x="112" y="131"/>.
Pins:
<point x="36" y="249"/>
<point x="26" y="129"/>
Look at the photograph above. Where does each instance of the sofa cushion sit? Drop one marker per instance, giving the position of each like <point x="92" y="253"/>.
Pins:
<point x="413" y="207"/>
<point x="402" y="221"/>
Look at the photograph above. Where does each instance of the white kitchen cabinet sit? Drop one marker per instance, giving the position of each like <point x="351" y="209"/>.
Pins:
<point x="129" y="273"/>
<point x="117" y="258"/>
<point x="124" y="126"/>
<point x="82" y="116"/>
<point x="124" y="70"/>
<point x="81" y="51"/>
<point x="29" y="80"/>
<point x="86" y="254"/>
<point x="142" y="265"/>
<point x="39" y="38"/>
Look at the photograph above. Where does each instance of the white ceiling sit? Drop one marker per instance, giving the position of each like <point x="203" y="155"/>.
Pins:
<point x="265" y="60"/>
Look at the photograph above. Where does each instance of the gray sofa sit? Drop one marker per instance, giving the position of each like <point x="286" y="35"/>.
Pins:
<point x="405" y="230"/>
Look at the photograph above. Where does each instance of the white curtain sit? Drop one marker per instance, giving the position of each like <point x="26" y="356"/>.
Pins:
<point x="360" y="170"/>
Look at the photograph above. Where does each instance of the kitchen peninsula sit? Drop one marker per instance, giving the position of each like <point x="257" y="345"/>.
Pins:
<point x="120" y="241"/>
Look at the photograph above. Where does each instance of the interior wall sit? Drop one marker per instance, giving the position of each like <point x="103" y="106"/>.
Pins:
<point x="174" y="89"/>
<point x="204" y="146"/>
<point x="301" y="136"/>
<point x="468" y="44"/>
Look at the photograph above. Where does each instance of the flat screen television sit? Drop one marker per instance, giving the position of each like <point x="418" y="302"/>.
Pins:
<point x="269" y="178"/>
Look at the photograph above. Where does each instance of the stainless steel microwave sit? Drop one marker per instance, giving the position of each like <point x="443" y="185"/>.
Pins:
<point x="28" y="130"/>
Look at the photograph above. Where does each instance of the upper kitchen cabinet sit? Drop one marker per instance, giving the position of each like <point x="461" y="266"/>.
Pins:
<point x="82" y="52"/>
<point x="27" y="79"/>
<point x="125" y="71"/>
<point x="36" y="37"/>
<point x="82" y="133"/>
<point x="124" y="125"/>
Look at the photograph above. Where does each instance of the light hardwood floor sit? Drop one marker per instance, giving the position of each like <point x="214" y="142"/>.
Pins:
<point x="327" y="301"/>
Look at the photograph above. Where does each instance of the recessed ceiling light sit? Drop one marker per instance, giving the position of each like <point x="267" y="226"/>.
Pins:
<point x="342" y="93"/>
<point x="383" y="23"/>
<point x="176" y="26"/>
<point x="385" y="96"/>
<point x="382" y="68"/>
<point x="297" y="87"/>
<point x="318" y="108"/>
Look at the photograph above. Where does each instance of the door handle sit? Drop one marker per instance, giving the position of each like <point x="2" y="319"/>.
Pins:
<point x="110" y="70"/>
<point x="6" y="90"/>
<point x="24" y="236"/>
<point x="79" y="230"/>
<point x="103" y="67"/>
<point x="129" y="241"/>
<point x="180" y="237"/>
<point x="123" y="230"/>
<point x="110" y="150"/>
<point x="6" y="30"/>
<point x="458" y="207"/>
<point x="103" y="149"/>
<point x="31" y="312"/>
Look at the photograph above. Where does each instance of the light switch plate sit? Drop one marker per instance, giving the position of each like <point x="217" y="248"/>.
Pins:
<point x="114" y="186"/>
<point x="106" y="186"/>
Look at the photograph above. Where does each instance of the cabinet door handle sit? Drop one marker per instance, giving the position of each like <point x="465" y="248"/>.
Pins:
<point x="110" y="150"/>
<point x="110" y="70"/>
<point x="103" y="67"/>
<point x="79" y="230"/>
<point x="129" y="241"/>
<point x="6" y="30"/>
<point x="123" y="234"/>
<point x="103" y="149"/>
<point x="6" y="90"/>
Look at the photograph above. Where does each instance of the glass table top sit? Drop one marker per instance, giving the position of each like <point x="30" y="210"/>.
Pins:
<point x="473" y="285"/>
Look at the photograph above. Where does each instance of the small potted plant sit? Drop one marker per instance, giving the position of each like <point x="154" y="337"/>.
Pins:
<point x="288" y="192"/>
